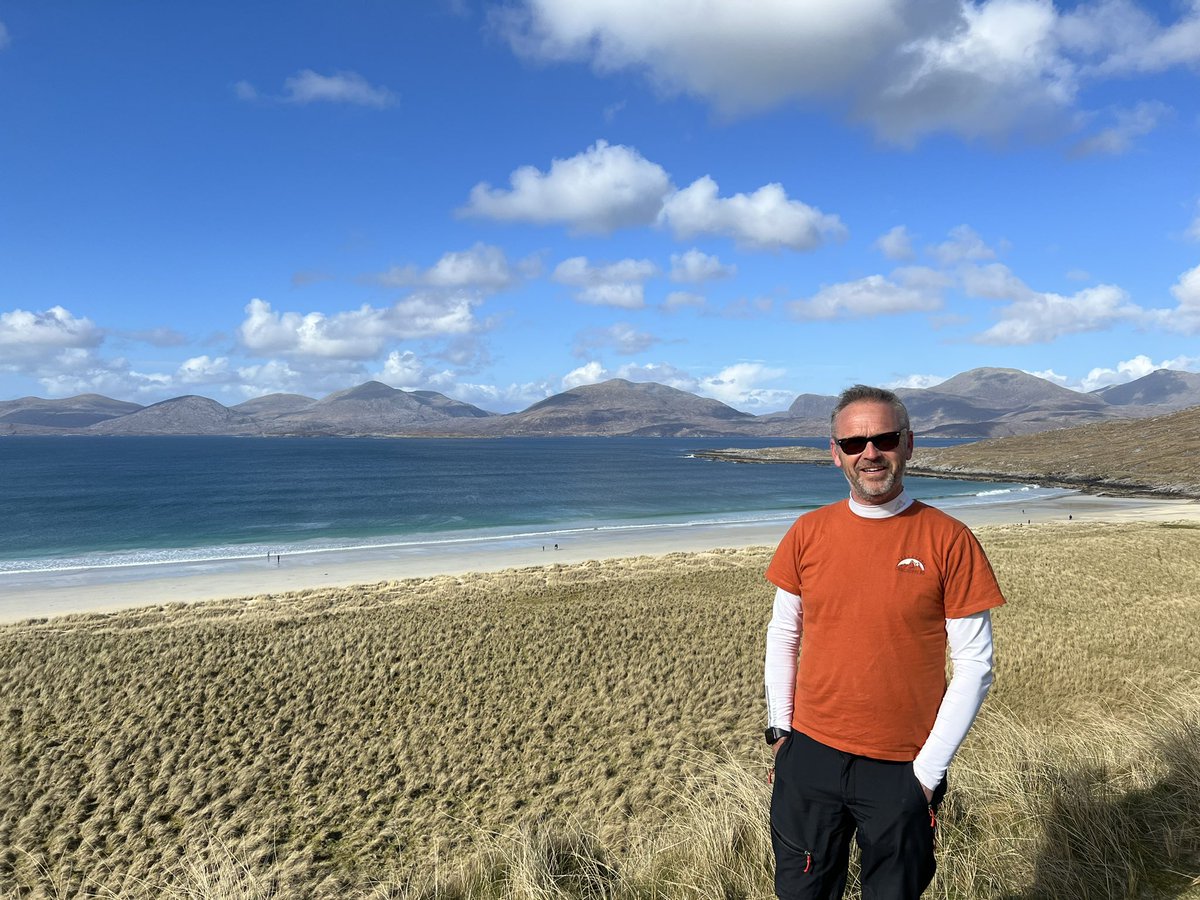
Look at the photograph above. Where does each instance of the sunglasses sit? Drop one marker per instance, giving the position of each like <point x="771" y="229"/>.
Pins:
<point x="889" y="440"/>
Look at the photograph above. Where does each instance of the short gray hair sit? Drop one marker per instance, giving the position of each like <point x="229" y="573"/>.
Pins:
<point x="864" y="392"/>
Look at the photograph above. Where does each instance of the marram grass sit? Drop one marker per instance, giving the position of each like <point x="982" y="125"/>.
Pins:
<point x="584" y="731"/>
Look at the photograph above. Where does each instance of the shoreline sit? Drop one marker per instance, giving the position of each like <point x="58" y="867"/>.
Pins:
<point x="43" y="595"/>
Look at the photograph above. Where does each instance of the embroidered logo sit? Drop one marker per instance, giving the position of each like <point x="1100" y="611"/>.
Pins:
<point x="911" y="564"/>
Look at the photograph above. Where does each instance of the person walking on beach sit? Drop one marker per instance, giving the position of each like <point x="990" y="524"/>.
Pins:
<point x="870" y="591"/>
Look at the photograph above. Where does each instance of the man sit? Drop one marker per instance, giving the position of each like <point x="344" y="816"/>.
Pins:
<point x="870" y="591"/>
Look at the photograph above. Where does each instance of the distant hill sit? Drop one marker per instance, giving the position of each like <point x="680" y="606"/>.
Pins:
<point x="1150" y="455"/>
<point x="623" y="407"/>
<point x="981" y="403"/>
<point x="370" y="408"/>
<point x="1165" y="389"/>
<point x="180" y="415"/>
<point x="274" y="405"/>
<point x="36" y="414"/>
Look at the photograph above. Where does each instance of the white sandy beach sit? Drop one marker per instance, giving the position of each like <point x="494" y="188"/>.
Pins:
<point x="96" y="590"/>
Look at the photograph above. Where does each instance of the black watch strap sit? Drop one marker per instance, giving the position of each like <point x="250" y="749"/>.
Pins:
<point x="774" y="734"/>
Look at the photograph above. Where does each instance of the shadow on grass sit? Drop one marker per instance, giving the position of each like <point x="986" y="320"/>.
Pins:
<point x="1102" y="842"/>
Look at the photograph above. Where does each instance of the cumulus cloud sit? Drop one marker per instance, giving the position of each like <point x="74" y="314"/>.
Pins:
<point x="622" y="337"/>
<point x="204" y="370"/>
<point x="896" y="244"/>
<point x="1042" y="317"/>
<point x="609" y="187"/>
<point x="1130" y="370"/>
<point x="1130" y="124"/>
<point x="740" y="386"/>
<point x="963" y="245"/>
<point x="915" y="381"/>
<point x="356" y="334"/>
<point x="765" y="220"/>
<point x="695" y="267"/>
<point x="28" y="339"/>
<point x="1117" y="37"/>
<point x="482" y="266"/>
<point x="615" y="284"/>
<point x="604" y="188"/>
<point x="993" y="282"/>
<point x="979" y="69"/>
<point x="870" y="296"/>
<point x="589" y="373"/>
<point x="1185" y="317"/>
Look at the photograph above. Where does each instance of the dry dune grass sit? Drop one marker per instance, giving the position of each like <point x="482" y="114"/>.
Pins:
<point x="577" y="731"/>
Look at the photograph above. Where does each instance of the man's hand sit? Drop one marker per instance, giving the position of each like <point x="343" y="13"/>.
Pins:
<point x="928" y="794"/>
<point x="775" y="746"/>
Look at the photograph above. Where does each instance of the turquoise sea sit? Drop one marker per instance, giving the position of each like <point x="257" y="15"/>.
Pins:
<point x="74" y="503"/>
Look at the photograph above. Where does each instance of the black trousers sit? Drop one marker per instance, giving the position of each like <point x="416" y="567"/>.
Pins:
<point x="822" y="797"/>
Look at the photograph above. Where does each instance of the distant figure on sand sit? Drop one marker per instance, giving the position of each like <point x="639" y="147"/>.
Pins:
<point x="870" y="591"/>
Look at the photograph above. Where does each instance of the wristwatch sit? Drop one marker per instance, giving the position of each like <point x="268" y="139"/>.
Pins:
<point x="774" y="734"/>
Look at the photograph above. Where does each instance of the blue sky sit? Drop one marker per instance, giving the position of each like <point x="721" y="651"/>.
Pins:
<point x="503" y="201"/>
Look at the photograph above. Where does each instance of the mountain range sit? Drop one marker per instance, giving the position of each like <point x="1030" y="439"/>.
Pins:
<point x="981" y="403"/>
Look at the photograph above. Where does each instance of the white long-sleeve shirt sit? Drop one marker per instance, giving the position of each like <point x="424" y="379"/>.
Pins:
<point x="970" y="641"/>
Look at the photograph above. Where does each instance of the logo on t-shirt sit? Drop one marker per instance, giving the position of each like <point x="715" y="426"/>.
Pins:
<point x="911" y="564"/>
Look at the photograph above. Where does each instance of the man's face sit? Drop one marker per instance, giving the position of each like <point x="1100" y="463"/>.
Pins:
<point x="876" y="476"/>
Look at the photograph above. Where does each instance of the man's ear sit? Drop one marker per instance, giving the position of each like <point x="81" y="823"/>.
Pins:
<point x="833" y="451"/>
<point x="909" y="451"/>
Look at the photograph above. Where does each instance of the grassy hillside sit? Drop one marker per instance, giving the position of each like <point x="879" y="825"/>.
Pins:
<point x="584" y="731"/>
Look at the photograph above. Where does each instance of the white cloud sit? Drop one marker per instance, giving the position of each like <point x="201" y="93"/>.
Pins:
<point x="308" y="86"/>
<point x="915" y="381"/>
<point x="77" y="370"/>
<point x="604" y="188"/>
<point x="1118" y="37"/>
<point x="661" y="373"/>
<point x="979" y="68"/>
<point x="696" y="267"/>
<point x="995" y="281"/>
<point x="1052" y="376"/>
<point x="621" y="337"/>
<point x="896" y="244"/>
<point x="740" y="386"/>
<point x="272" y="377"/>
<point x="357" y="334"/>
<point x="482" y="266"/>
<point x="29" y="339"/>
<point x="1130" y="124"/>
<point x="589" y="373"/>
<point x="4" y="39"/>
<point x="1185" y="317"/>
<point x="204" y="370"/>
<point x="963" y="245"/>
<point x="616" y="284"/>
<point x="1043" y="317"/>
<point x="764" y="220"/>
<point x="677" y="300"/>
<point x="871" y="296"/>
<point x="740" y="56"/>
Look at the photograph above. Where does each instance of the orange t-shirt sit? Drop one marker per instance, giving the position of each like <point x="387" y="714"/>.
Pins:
<point x="875" y="595"/>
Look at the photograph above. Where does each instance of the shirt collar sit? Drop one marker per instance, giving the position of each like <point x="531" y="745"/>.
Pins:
<point x="893" y="507"/>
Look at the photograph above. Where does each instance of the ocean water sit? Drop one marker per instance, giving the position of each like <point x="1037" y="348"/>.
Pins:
<point x="74" y="503"/>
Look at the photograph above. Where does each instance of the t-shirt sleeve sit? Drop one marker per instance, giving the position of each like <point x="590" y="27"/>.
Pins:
<point x="784" y="570"/>
<point x="971" y="584"/>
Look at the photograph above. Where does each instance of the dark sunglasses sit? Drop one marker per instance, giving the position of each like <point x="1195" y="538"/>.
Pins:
<point x="889" y="440"/>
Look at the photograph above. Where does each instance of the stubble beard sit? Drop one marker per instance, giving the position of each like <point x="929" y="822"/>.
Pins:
<point x="875" y="489"/>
